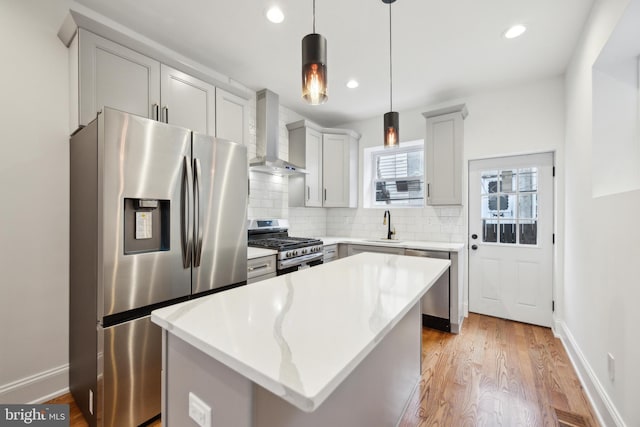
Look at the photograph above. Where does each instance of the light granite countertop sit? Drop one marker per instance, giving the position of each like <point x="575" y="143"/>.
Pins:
<point x="301" y="334"/>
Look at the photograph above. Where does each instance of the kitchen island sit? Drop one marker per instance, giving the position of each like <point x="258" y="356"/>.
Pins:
<point x="337" y="344"/>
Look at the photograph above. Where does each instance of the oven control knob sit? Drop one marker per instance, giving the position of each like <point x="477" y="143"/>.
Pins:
<point x="288" y="254"/>
<point x="304" y="251"/>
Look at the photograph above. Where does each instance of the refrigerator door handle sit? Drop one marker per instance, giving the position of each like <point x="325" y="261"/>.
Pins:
<point x="196" y="203"/>
<point x="187" y="224"/>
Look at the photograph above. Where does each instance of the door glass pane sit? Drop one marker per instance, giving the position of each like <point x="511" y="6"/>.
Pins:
<point x="507" y="206"/>
<point x="508" y="181"/>
<point x="489" y="230"/>
<point x="510" y="206"/>
<point x="528" y="232"/>
<point x="507" y="232"/>
<point x="489" y="206"/>
<point x="528" y="179"/>
<point x="489" y="182"/>
<point x="528" y="206"/>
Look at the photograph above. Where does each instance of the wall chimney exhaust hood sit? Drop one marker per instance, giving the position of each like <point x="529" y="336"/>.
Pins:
<point x="267" y="138"/>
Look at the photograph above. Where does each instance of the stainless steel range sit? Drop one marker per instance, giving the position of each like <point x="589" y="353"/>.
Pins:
<point x="294" y="253"/>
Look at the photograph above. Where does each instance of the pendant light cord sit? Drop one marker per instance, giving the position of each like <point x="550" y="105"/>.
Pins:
<point x="390" y="64"/>
<point x="314" y="16"/>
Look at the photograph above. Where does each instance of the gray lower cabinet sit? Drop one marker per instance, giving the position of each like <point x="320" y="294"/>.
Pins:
<point x="330" y="253"/>
<point x="261" y="268"/>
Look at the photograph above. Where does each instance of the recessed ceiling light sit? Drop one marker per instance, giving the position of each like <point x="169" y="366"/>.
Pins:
<point x="275" y="15"/>
<point x="515" y="31"/>
<point x="352" y="84"/>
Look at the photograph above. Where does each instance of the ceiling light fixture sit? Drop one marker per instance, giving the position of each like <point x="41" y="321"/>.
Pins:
<point x="392" y="118"/>
<point x="352" y="84"/>
<point x="275" y="15"/>
<point x="515" y="31"/>
<point x="314" y="66"/>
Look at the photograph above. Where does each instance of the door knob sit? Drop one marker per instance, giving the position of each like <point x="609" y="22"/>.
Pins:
<point x="474" y="247"/>
<point x="474" y="236"/>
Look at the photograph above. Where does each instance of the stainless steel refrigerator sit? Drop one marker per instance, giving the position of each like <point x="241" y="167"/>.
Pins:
<point x="158" y="216"/>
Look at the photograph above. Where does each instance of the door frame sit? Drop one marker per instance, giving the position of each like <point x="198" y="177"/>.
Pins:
<point x="554" y="222"/>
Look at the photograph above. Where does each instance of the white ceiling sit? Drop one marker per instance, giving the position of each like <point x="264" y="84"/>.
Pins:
<point x="441" y="49"/>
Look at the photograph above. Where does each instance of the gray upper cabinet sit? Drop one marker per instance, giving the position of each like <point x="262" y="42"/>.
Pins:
<point x="330" y="157"/>
<point x="187" y="101"/>
<point x="232" y="117"/>
<point x="444" y="151"/>
<point x="340" y="170"/>
<point x="113" y="75"/>
<point x="305" y="150"/>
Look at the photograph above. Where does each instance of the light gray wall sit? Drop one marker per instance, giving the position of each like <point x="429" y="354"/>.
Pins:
<point x="601" y="291"/>
<point x="34" y="194"/>
<point x="523" y="119"/>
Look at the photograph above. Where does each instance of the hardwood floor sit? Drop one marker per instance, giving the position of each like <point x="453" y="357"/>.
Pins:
<point x="495" y="373"/>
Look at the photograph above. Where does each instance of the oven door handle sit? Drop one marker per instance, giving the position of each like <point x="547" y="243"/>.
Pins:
<point x="299" y="260"/>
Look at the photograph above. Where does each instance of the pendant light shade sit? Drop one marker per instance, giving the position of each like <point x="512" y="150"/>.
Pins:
<point x="314" y="66"/>
<point x="392" y="118"/>
<point x="391" y="129"/>
<point x="314" y="69"/>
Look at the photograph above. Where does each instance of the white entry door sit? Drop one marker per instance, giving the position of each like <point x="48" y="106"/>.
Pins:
<point x="511" y="237"/>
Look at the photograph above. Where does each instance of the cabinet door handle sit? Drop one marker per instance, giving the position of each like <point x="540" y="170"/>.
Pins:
<point x="308" y="192"/>
<point x="165" y="113"/>
<point x="154" y="111"/>
<point x="428" y="190"/>
<point x="258" y="267"/>
<point x="325" y="194"/>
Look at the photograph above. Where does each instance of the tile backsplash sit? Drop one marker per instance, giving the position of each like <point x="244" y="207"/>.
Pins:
<point x="437" y="224"/>
<point x="269" y="198"/>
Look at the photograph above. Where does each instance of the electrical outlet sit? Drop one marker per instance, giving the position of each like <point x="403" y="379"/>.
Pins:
<point x="91" y="401"/>
<point x="611" y="366"/>
<point x="199" y="411"/>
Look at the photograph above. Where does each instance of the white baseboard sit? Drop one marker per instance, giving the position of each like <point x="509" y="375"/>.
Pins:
<point x="37" y="388"/>
<point x="604" y="408"/>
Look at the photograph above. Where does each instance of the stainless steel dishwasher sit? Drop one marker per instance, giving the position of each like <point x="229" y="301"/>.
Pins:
<point x="436" y="312"/>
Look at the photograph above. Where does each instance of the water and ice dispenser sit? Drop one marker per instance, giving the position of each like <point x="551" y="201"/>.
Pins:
<point x="146" y="225"/>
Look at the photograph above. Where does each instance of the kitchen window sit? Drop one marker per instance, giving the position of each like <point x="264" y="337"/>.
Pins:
<point x="394" y="177"/>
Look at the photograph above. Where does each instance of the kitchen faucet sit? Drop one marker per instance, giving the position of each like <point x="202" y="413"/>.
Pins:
<point x="389" y="232"/>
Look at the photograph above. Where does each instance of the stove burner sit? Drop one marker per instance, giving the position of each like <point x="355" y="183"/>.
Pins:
<point x="284" y="243"/>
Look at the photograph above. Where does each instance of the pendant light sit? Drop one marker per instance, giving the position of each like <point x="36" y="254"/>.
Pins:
<point x="314" y="66"/>
<point x="392" y="118"/>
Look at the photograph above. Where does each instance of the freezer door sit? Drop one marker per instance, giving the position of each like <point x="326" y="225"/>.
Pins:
<point x="220" y="199"/>
<point x="143" y="162"/>
<point x="130" y="362"/>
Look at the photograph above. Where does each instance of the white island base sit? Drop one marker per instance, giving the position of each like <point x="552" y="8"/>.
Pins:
<point x="335" y="345"/>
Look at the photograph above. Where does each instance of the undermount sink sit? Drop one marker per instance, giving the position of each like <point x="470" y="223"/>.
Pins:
<point x="383" y="240"/>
